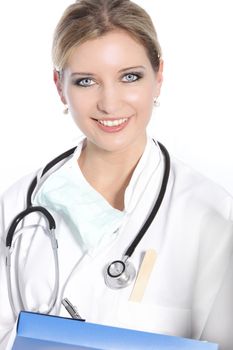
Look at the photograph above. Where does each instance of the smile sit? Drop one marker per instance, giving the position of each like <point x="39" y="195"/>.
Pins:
<point x="111" y="123"/>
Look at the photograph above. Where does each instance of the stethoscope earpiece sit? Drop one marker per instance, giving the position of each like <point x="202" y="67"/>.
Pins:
<point x="119" y="273"/>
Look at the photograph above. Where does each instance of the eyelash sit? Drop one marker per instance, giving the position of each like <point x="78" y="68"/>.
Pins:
<point x="135" y="74"/>
<point x="138" y="76"/>
<point x="79" y="81"/>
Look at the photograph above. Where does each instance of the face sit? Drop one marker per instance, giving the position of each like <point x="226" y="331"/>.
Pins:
<point x="109" y="86"/>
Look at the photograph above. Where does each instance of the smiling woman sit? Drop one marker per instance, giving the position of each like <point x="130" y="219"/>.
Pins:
<point x="118" y="197"/>
<point x="115" y="95"/>
<point x="112" y="104"/>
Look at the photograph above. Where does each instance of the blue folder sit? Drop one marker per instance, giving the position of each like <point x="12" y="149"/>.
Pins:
<point x="44" y="332"/>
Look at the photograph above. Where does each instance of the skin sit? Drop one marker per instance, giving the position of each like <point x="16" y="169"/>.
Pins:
<point x="99" y="86"/>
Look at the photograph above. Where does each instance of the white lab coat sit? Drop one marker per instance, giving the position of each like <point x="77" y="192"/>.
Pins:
<point x="190" y="291"/>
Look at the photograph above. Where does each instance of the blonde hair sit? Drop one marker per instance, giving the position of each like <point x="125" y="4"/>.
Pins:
<point x="90" y="19"/>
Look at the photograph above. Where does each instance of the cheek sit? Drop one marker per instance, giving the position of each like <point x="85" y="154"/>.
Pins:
<point x="141" y="100"/>
<point x="78" y="102"/>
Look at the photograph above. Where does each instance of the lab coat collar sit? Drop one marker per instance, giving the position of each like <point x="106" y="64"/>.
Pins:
<point x="146" y="169"/>
<point x="147" y="166"/>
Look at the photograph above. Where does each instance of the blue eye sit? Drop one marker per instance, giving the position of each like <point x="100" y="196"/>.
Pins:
<point x="84" y="82"/>
<point x="131" y="77"/>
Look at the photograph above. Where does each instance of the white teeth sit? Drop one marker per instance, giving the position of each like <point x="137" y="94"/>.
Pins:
<point x="113" y="122"/>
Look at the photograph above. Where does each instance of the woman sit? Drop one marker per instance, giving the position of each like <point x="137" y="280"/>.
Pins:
<point x="108" y="73"/>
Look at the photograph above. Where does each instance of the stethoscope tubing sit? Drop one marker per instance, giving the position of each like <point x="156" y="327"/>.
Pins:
<point x="22" y="215"/>
<point x="156" y="207"/>
<point x="113" y="280"/>
<point x="50" y="165"/>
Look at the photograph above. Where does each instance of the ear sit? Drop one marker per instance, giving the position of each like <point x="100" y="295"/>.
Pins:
<point x="159" y="78"/>
<point x="58" y="83"/>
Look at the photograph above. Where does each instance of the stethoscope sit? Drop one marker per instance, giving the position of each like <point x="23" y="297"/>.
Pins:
<point x="117" y="274"/>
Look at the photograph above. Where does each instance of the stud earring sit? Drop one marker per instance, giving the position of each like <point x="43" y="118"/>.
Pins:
<point x="66" y="110"/>
<point x="156" y="102"/>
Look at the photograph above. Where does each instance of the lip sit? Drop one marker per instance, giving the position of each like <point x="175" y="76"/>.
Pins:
<point x="112" y="128"/>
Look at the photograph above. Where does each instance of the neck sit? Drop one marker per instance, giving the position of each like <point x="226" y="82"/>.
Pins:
<point x="110" y="172"/>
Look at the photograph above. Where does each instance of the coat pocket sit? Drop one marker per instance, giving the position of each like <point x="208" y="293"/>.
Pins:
<point x="155" y="318"/>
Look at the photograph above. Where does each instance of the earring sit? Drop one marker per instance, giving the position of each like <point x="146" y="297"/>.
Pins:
<point x="66" y="110"/>
<point x="156" y="102"/>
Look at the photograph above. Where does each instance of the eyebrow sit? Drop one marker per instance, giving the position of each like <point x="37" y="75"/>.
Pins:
<point x="134" y="67"/>
<point x="120" y="71"/>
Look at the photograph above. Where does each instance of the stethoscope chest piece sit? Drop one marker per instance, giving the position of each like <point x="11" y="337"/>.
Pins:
<point x="119" y="273"/>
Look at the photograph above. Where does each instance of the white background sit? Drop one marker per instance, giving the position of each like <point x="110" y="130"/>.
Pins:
<point x="194" y="119"/>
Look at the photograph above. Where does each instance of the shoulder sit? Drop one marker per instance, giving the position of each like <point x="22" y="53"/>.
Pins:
<point x="19" y="188"/>
<point x="200" y="190"/>
<point x="13" y="200"/>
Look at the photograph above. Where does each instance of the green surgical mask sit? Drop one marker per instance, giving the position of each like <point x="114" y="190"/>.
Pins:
<point x="87" y="214"/>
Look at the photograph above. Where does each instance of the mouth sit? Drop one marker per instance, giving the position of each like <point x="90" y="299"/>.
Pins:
<point x="112" y="125"/>
<point x="115" y="122"/>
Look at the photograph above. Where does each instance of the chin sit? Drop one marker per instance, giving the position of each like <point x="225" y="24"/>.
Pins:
<point x="120" y="144"/>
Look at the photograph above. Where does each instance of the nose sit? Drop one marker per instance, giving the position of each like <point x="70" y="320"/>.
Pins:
<point x="109" y="100"/>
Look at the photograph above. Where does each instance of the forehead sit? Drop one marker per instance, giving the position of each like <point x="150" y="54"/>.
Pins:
<point x="114" y="49"/>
